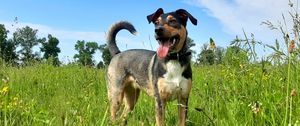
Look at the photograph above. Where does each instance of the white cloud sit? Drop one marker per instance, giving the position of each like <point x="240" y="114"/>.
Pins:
<point x="236" y="15"/>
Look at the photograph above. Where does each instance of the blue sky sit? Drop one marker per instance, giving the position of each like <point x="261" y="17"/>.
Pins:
<point x="72" y="20"/>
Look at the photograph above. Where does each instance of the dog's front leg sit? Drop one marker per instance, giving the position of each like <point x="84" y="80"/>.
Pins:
<point x="183" y="102"/>
<point x="160" y="112"/>
<point x="182" y="110"/>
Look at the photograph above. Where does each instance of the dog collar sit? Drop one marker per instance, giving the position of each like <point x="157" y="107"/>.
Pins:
<point x="178" y="56"/>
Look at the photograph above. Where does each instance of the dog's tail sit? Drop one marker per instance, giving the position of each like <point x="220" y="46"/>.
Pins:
<point x="111" y="36"/>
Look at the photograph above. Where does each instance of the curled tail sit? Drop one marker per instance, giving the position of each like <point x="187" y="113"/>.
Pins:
<point x="111" y="36"/>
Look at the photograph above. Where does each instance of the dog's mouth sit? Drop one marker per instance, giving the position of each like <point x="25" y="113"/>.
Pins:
<point x="165" y="43"/>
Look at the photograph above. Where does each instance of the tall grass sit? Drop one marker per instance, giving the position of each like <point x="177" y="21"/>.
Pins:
<point x="43" y="94"/>
<point x="73" y="95"/>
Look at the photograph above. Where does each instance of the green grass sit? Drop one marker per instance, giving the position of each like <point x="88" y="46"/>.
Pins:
<point x="73" y="95"/>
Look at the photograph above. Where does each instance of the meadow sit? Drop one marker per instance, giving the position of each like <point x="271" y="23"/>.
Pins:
<point x="243" y="94"/>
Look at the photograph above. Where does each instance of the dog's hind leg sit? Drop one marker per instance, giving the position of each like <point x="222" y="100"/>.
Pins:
<point x="131" y="96"/>
<point x="115" y="94"/>
<point x="115" y="98"/>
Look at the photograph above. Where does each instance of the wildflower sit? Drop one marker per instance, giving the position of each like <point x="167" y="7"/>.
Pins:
<point x="292" y="46"/>
<point x="5" y="80"/>
<point x="293" y="93"/>
<point x="4" y="90"/>
<point x="15" y="98"/>
<point x="255" y="107"/>
<point x="241" y="66"/>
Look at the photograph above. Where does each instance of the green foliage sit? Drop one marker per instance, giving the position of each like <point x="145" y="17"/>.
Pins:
<point x="206" y="57"/>
<point x="3" y="33"/>
<point x="235" y="56"/>
<point x="75" y="95"/>
<point x="219" y="54"/>
<point x="106" y="57"/>
<point x="210" y="54"/>
<point x="7" y="47"/>
<point x="190" y="42"/>
<point x="27" y="38"/>
<point x="50" y="49"/>
<point x="46" y="95"/>
<point x="100" y="65"/>
<point x="85" y="52"/>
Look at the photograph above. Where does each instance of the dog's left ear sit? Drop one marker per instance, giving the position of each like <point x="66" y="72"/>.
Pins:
<point x="185" y="15"/>
<point x="153" y="17"/>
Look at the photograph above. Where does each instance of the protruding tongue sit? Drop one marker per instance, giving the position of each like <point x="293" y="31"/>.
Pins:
<point x="163" y="50"/>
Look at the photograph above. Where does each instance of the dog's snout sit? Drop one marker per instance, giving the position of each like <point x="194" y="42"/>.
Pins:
<point x="159" y="29"/>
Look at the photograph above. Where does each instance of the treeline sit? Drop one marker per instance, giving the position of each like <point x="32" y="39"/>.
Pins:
<point x="18" y="50"/>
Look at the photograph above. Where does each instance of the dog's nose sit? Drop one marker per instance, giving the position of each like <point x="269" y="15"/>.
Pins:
<point x="159" y="29"/>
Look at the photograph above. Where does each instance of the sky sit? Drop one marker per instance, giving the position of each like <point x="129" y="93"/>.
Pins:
<point x="72" y="20"/>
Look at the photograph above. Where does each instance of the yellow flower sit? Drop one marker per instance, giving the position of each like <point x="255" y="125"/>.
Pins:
<point x="4" y="89"/>
<point x="255" y="107"/>
<point x="15" y="98"/>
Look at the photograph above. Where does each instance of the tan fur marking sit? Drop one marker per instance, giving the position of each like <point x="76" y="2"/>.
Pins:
<point x="182" y="33"/>
<point x="170" y="17"/>
<point x="164" y="94"/>
<point x="171" y="31"/>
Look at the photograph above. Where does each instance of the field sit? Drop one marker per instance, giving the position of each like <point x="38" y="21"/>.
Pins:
<point x="246" y="94"/>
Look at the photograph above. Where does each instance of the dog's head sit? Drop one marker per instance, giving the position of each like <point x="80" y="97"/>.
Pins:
<point x="170" y="30"/>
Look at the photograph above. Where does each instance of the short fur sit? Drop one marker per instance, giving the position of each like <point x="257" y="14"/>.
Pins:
<point x="165" y="79"/>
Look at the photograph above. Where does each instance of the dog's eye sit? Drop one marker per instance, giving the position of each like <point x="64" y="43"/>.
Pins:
<point x="172" y="21"/>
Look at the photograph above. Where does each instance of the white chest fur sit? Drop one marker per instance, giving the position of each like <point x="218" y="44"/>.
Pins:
<point x="174" y="83"/>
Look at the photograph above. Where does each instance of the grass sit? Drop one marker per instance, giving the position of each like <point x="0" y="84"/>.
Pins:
<point x="73" y="95"/>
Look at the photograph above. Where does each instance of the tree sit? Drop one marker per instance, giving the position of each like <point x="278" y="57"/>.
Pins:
<point x="7" y="47"/>
<point x="51" y="50"/>
<point x="3" y="33"/>
<point x="190" y="43"/>
<point x="100" y="65"/>
<point x="219" y="54"/>
<point x="206" y="56"/>
<point x="27" y="38"/>
<point x="106" y="57"/>
<point x="210" y="54"/>
<point x="85" y="52"/>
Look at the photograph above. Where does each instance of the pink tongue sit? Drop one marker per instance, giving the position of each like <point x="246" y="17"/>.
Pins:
<point x="163" y="50"/>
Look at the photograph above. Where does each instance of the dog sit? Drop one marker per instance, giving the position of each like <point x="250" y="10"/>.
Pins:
<point x="165" y="74"/>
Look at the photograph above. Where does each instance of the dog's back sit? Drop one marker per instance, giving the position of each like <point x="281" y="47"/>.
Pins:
<point x="132" y="62"/>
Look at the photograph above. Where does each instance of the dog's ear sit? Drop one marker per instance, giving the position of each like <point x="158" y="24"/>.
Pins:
<point x="185" y="15"/>
<point x="153" y="17"/>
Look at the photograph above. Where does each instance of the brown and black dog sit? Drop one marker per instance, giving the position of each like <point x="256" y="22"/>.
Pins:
<point x="165" y="74"/>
